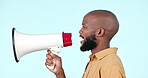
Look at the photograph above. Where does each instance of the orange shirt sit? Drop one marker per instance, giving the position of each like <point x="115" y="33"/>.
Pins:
<point x="105" y="64"/>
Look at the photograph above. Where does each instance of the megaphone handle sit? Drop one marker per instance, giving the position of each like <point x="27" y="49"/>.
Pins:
<point x="55" y="50"/>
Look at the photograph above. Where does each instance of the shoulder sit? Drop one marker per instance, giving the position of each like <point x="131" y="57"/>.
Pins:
<point x="112" y="62"/>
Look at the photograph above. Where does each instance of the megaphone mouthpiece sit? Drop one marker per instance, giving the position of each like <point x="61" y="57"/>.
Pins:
<point x="67" y="39"/>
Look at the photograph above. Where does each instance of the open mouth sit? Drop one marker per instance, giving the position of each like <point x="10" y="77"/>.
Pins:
<point x="82" y="41"/>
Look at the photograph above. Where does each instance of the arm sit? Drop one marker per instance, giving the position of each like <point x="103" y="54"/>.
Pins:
<point x="58" y="69"/>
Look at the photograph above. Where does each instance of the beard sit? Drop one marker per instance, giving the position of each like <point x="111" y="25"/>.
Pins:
<point x="89" y="44"/>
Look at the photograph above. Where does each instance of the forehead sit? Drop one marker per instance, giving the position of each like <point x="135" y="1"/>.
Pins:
<point x="89" y="17"/>
<point x="90" y="20"/>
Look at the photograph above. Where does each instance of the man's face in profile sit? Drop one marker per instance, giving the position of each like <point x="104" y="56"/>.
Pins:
<point x="87" y="33"/>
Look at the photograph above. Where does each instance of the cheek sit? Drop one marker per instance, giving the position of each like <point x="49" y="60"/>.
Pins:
<point x="86" y="34"/>
<point x="89" y="33"/>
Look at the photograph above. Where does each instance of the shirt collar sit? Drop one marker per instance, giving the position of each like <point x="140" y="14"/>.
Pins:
<point x="101" y="54"/>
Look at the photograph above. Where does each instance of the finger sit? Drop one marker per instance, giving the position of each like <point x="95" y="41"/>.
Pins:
<point x="49" y="56"/>
<point x="57" y="59"/>
<point x="49" y="51"/>
<point x="49" y="61"/>
<point x="48" y="64"/>
<point x="55" y="56"/>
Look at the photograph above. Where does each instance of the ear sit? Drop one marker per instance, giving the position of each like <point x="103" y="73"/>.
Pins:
<point x="100" y="32"/>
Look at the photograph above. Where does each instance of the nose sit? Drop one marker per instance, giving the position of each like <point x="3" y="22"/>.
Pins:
<point x="81" y="31"/>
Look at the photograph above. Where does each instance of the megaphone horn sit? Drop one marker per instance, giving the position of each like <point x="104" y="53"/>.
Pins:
<point x="27" y="43"/>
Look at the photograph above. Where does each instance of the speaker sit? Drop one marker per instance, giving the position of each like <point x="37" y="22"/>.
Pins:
<point x="27" y="43"/>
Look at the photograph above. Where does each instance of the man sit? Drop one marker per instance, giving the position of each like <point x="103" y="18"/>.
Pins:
<point x="98" y="28"/>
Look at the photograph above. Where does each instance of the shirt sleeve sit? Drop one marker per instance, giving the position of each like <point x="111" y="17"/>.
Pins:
<point x="111" y="72"/>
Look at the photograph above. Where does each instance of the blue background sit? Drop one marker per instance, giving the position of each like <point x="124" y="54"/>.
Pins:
<point x="56" y="16"/>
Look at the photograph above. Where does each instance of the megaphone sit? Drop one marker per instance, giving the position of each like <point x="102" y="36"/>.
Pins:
<point x="27" y="43"/>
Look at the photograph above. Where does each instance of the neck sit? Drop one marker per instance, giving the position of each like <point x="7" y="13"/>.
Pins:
<point x="100" y="47"/>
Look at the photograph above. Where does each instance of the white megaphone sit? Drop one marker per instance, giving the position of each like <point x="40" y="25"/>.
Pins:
<point x="27" y="43"/>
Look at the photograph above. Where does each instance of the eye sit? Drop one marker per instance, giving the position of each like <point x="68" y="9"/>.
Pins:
<point x="84" y="26"/>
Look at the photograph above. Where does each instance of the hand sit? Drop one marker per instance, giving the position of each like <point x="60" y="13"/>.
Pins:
<point x="54" y="60"/>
